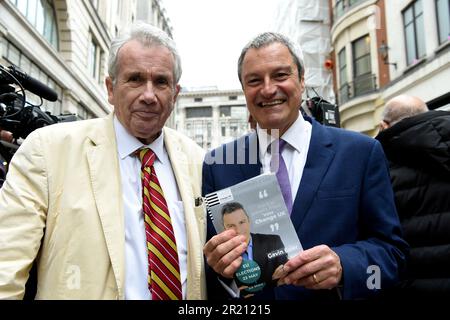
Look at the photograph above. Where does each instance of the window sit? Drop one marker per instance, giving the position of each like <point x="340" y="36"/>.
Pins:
<point x="339" y="8"/>
<point x="208" y="129"/>
<point x="198" y="99"/>
<point x="443" y="20"/>
<point x="343" y="6"/>
<point x="94" y="59"/>
<point x="343" y="85"/>
<point x="363" y="80"/>
<point x="223" y="130"/>
<point x="225" y="111"/>
<point x="236" y="111"/>
<point x="232" y="98"/>
<point x="414" y="32"/>
<point x="41" y="14"/>
<point x="199" y="112"/>
<point x="239" y="112"/>
<point x="354" y="2"/>
<point x="361" y="56"/>
<point x="342" y="67"/>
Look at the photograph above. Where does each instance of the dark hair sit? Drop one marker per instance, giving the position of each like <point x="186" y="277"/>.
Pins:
<point x="232" y="207"/>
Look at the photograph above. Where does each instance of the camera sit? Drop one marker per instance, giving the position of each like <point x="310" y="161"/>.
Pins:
<point x="323" y="111"/>
<point x="19" y="116"/>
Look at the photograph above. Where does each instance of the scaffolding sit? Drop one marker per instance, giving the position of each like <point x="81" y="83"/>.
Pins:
<point x="308" y="23"/>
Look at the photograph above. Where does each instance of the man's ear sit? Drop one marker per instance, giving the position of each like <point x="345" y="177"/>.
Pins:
<point x="302" y="83"/>
<point x="177" y="91"/>
<point x="110" y="89"/>
<point x="383" y="125"/>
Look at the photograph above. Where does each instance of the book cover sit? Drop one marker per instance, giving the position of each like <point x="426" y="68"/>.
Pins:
<point x="255" y="208"/>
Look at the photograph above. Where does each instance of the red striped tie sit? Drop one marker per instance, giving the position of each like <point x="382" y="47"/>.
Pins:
<point x="163" y="268"/>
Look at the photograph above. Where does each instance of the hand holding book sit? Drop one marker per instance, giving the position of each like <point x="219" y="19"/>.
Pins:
<point x="263" y="238"/>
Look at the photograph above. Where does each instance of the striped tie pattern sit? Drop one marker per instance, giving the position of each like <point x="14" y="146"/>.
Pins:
<point x="163" y="266"/>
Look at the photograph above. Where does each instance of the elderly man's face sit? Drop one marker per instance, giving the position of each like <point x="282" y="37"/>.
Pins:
<point x="144" y="92"/>
<point x="272" y="86"/>
<point x="238" y="221"/>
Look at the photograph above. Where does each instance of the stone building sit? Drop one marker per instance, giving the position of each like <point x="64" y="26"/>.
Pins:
<point x="64" y="44"/>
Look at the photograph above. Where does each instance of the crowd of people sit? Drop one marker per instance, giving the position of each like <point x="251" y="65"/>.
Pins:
<point x="111" y="208"/>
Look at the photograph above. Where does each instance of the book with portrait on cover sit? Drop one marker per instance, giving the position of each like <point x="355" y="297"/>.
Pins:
<point x="255" y="208"/>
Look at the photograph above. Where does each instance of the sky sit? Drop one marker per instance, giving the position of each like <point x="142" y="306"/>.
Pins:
<point x="210" y="35"/>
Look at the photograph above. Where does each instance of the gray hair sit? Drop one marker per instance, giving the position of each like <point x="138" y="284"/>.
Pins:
<point x="401" y="107"/>
<point x="147" y="35"/>
<point x="267" y="38"/>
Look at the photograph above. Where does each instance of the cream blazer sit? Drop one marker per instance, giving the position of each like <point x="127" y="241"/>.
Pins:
<point x="62" y="205"/>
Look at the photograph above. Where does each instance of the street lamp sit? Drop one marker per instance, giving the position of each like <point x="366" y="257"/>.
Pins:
<point x="383" y="49"/>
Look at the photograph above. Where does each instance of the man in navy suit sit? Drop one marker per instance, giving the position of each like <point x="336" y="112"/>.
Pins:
<point x="342" y="201"/>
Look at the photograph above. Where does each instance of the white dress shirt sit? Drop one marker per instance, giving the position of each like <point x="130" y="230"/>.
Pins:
<point x="136" y="257"/>
<point x="297" y="138"/>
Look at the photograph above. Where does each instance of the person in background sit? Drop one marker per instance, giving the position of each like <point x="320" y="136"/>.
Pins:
<point x="335" y="184"/>
<point x="417" y="144"/>
<point x="401" y="107"/>
<point x="106" y="207"/>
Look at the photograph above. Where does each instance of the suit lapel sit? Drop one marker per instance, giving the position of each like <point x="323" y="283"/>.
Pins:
<point x="181" y="168"/>
<point x="105" y="179"/>
<point x="258" y="254"/>
<point x="318" y="160"/>
<point x="249" y="147"/>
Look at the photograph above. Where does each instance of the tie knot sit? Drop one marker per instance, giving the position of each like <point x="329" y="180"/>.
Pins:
<point x="147" y="157"/>
<point x="277" y="144"/>
<point x="281" y="144"/>
<point x="276" y="147"/>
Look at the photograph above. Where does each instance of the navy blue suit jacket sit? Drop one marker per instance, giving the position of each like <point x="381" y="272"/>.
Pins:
<point x="344" y="200"/>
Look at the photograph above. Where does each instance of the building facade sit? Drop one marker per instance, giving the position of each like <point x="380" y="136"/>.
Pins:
<point x="419" y="50"/>
<point x="64" y="44"/>
<point x="212" y="117"/>
<point x="385" y="48"/>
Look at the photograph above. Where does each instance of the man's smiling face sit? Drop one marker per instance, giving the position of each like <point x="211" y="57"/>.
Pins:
<point x="272" y="86"/>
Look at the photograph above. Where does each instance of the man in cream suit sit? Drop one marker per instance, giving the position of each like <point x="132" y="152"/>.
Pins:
<point x="72" y="200"/>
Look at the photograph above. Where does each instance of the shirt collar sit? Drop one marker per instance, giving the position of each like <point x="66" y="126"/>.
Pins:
<point x="293" y="136"/>
<point x="127" y="144"/>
